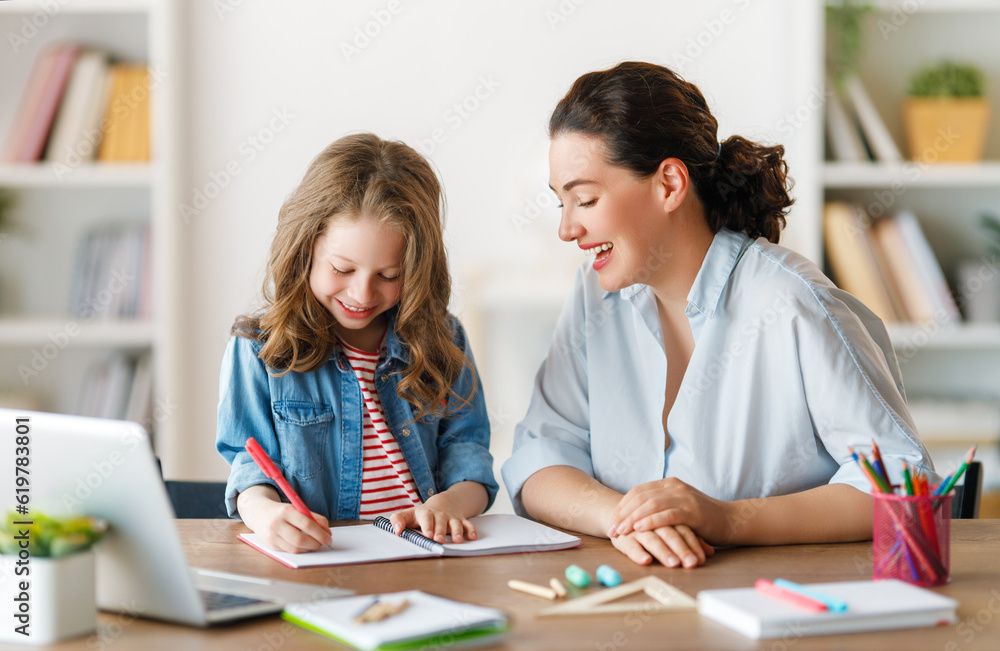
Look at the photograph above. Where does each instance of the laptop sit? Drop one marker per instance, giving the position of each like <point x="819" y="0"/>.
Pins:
<point x="106" y="469"/>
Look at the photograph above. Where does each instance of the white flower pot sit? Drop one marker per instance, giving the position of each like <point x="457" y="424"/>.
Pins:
<point x="59" y="601"/>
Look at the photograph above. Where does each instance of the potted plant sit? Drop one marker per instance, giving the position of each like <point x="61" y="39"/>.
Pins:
<point x="47" y="576"/>
<point x="844" y="38"/>
<point x="946" y="113"/>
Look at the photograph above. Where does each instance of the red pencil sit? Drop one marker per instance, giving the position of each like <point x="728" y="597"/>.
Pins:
<point x="272" y="472"/>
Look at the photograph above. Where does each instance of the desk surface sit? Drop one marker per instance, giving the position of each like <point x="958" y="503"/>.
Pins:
<point x="213" y="544"/>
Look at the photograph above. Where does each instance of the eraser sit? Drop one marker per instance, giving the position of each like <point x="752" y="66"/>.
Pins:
<point x="608" y="576"/>
<point x="577" y="576"/>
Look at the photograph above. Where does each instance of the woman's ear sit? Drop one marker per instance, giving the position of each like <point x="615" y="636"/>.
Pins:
<point x="672" y="182"/>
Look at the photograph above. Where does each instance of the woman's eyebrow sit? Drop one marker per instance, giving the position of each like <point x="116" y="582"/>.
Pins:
<point x="572" y="184"/>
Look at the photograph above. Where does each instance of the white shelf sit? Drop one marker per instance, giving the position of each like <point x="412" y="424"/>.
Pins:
<point x="23" y="332"/>
<point x="968" y="336"/>
<point x="76" y="7"/>
<point x="911" y="174"/>
<point x="95" y="175"/>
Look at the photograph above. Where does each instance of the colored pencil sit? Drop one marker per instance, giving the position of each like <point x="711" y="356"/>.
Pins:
<point x="949" y="483"/>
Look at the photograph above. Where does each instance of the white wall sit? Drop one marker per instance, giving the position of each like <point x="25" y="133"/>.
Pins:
<point x="250" y="64"/>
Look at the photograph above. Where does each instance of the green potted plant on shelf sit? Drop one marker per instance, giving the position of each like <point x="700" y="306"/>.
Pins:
<point x="845" y="42"/>
<point x="946" y="113"/>
<point x="47" y="576"/>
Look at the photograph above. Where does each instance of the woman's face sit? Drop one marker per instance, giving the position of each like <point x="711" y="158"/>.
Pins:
<point x="612" y="215"/>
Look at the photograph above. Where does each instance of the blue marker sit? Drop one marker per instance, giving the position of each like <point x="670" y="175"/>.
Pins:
<point x="833" y="604"/>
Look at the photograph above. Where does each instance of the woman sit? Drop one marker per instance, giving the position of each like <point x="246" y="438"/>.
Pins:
<point x="703" y="384"/>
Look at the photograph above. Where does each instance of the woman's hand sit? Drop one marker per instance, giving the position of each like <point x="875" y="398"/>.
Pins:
<point x="672" y="546"/>
<point x="279" y="525"/>
<point x="436" y="518"/>
<point x="671" y="502"/>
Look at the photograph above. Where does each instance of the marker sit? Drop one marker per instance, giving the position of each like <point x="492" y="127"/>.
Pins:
<point x="271" y="472"/>
<point x="764" y="586"/>
<point x="833" y="604"/>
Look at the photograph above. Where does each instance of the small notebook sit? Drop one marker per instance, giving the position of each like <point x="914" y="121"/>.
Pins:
<point x="871" y="606"/>
<point x="426" y="622"/>
<point x="373" y="543"/>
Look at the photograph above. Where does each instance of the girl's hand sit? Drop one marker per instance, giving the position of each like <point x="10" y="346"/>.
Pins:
<point x="278" y="524"/>
<point x="672" y="546"/>
<point x="671" y="502"/>
<point x="436" y="518"/>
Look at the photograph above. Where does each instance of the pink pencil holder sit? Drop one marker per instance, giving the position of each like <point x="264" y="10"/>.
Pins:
<point x="911" y="538"/>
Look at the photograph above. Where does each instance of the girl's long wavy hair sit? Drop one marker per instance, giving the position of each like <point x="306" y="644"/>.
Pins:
<point x="362" y="176"/>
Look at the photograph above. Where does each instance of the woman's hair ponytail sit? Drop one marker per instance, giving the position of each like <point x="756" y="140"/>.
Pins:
<point x="645" y="113"/>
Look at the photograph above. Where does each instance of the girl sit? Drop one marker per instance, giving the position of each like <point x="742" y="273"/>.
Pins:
<point x="704" y="383"/>
<point x="354" y="378"/>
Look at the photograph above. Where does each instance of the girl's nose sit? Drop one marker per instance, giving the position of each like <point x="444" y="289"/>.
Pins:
<point x="362" y="290"/>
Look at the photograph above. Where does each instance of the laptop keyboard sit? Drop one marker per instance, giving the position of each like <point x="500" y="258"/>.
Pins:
<point x="222" y="601"/>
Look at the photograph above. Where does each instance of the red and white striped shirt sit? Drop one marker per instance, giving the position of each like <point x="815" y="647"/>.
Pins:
<point x="386" y="483"/>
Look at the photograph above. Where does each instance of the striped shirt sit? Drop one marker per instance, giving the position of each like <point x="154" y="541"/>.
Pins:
<point x="386" y="483"/>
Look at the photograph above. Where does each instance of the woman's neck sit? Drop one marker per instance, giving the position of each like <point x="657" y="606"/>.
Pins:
<point x="685" y="251"/>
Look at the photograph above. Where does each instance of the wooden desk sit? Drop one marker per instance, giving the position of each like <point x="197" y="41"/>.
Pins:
<point x="975" y="583"/>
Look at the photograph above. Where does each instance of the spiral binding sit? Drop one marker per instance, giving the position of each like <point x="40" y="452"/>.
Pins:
<point x="408" y="535"/>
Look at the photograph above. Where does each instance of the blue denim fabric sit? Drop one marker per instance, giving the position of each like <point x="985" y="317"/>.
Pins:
<point x="310" y="425"/>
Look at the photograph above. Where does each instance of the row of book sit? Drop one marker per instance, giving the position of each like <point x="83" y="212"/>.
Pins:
<point x="111" y="273"/>
<point x="119" y="387"/>
<point x="887" y="264"/>
<point x="855" y="130"/>
<point x="79" y="106"/>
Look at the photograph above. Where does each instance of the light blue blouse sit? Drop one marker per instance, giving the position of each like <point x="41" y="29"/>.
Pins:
<point x="787" y="372"/>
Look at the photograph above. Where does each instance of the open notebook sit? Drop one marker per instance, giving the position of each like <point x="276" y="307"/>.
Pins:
<point x="871" y="606"/>
<point x="373" y="543"/>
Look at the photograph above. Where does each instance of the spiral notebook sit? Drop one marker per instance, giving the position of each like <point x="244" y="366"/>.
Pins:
<point x="374" y="543"/>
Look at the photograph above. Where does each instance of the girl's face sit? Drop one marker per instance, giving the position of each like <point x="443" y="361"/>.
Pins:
<point x="612" y="215"/>
<point x="356" y="275"/>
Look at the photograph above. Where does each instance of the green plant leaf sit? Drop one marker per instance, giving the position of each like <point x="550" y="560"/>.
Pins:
<point x="947" y="79"/>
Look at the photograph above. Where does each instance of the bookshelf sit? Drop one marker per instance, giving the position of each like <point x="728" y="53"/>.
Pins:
<point x="47" y="354"/>
<point x="940" y="364"/>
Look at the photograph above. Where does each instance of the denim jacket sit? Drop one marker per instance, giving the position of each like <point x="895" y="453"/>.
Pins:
<point x="310" y="425"/>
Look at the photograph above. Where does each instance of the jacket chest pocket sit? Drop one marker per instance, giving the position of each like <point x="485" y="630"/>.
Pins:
<point x="303" y="429"/>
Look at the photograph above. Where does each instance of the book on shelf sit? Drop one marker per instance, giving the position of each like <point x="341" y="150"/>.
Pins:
<point x="76" y="131"/>
<point x="78" y="107"/>
<point x="126" y="119"/>
<point x="39" y="104"/>
<point x="876" y="134"/>
<point x="842" y="134"/>
<point x="119" y="387"/>
<point x="111" y="273"/>
<point x="889" y="265"/>
<point x="857" y="266"/>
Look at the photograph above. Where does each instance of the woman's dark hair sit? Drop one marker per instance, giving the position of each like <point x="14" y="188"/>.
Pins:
<point x="645" y="113"/>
